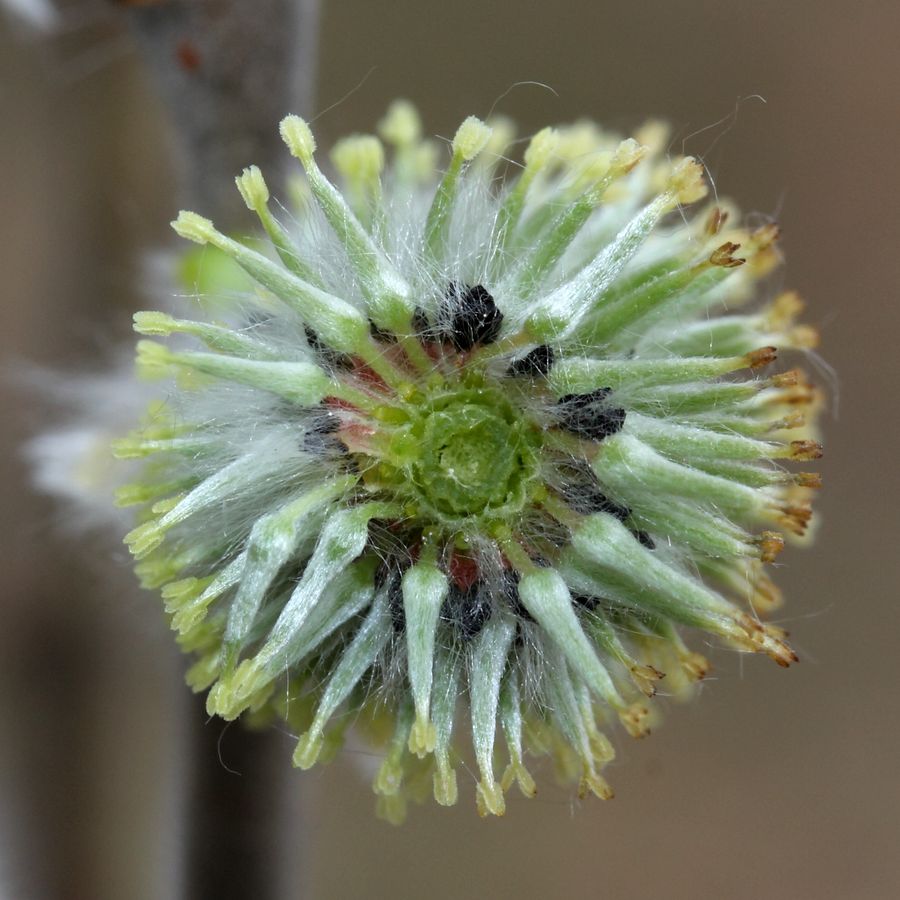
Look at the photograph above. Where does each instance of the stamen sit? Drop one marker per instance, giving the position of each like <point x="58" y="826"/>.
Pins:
<point x="511" y="719"/>
<point x="360" y="160"/>
<point x="548" y="248"/>
<point x="390" y="304"/>
<point x="225" y="340"/>
<point x="424" y="590"/>
<point x="488" y="661"/>
<point x="470" y="139"/>
<point x="255" y="194"/>
<point x="356" y="659"/>
<point x="339" y="323"/>
<point x="273" y="540"/>
<point x="444" y="697"/>
<point x="545" y="595"/>
<point x="581" y="375"/>
<point x="538" y="156"/>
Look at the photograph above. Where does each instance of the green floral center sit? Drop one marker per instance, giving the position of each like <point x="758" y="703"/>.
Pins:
<point x="467" y="457"/>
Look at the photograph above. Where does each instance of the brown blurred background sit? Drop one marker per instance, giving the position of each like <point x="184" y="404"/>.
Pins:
<point x="782" y="784"/>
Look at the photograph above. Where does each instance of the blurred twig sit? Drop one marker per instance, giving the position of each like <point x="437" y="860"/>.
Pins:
<point x="227" y="71"/>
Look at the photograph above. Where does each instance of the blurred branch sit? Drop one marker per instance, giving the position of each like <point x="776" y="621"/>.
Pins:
<point x="227" y="71"/>
<point x="232" y="845"/>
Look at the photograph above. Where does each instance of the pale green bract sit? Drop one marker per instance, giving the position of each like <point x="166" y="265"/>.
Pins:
<point x="473" y="452"/>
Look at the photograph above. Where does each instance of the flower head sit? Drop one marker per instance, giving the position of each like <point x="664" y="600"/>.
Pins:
<point x="474" y="452"/>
